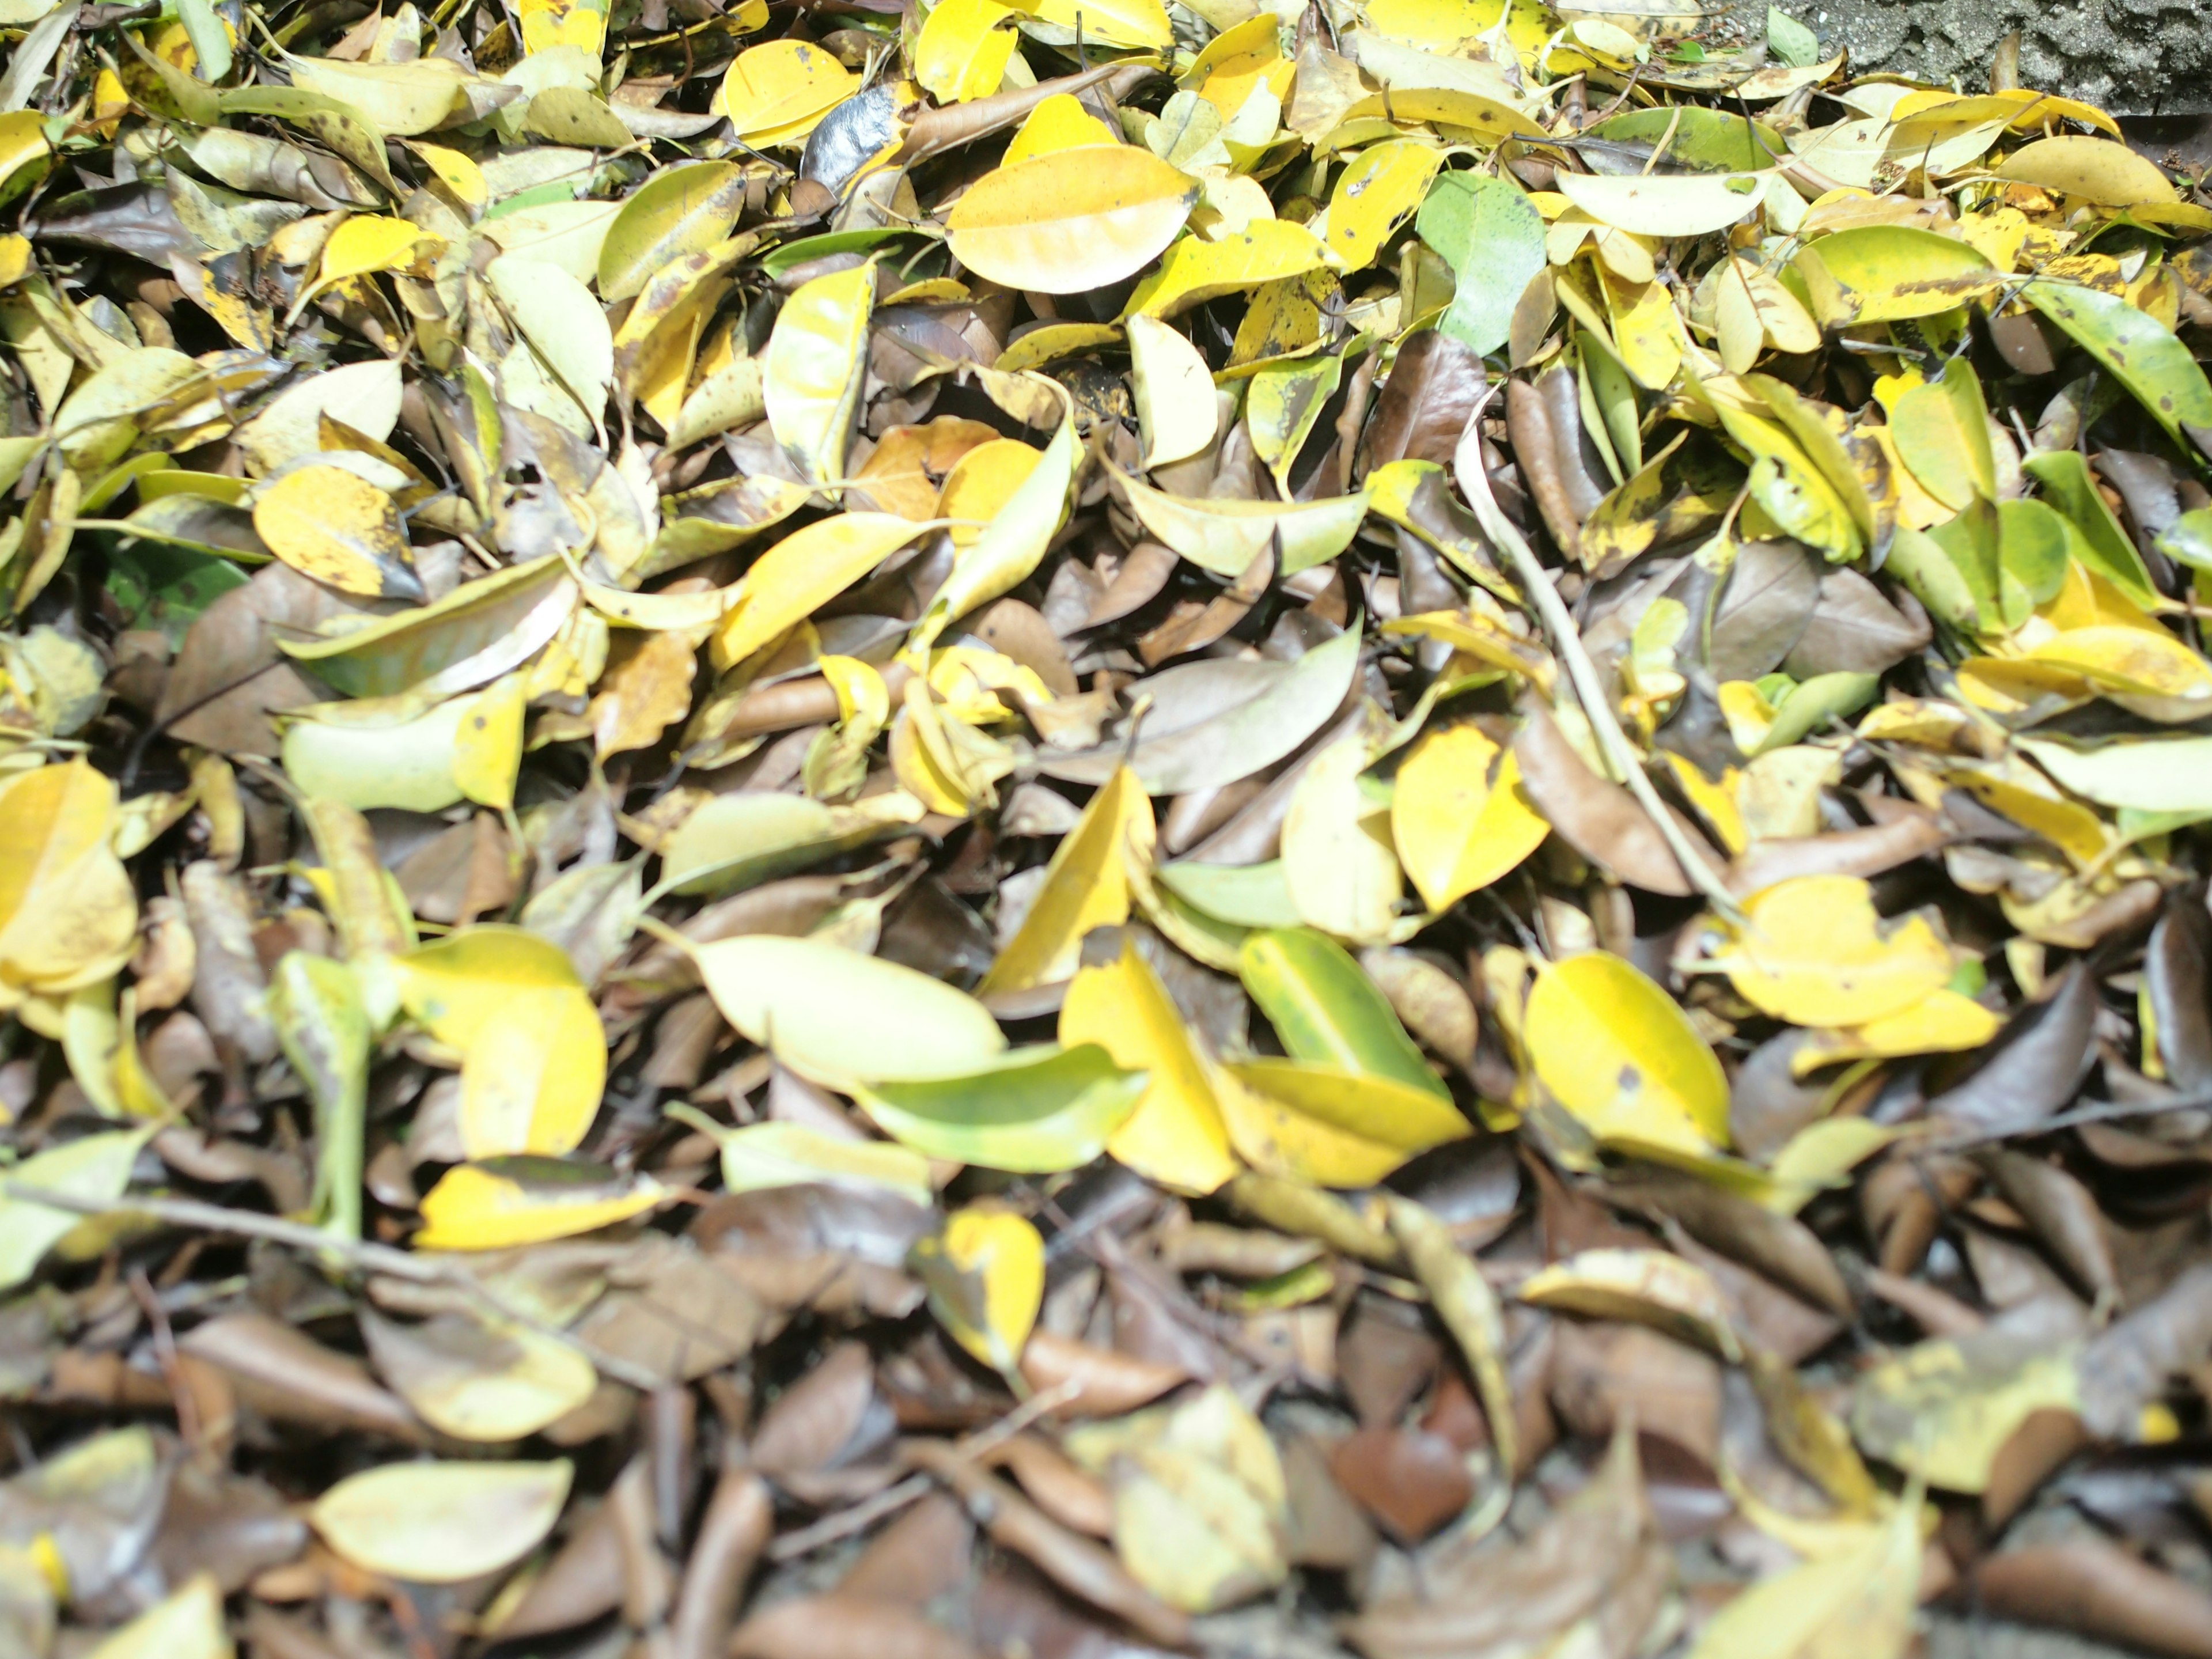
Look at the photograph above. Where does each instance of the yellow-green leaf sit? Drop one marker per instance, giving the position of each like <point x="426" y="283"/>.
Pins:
<point x="1327" y="1127"/>
<point x="843" y="1018"/>
<point x="812" y="373"/>
<point x="1035" y="1111"/>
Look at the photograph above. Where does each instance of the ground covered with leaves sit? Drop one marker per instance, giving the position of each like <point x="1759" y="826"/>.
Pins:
<point x="875" y="830"/>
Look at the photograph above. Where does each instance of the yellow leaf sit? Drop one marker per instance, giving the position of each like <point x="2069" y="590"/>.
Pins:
<point x="457" y="173"/>
<point x="2100" y="170"/>
<point x="549" y="23"/>
<point x="1175" y="1136"/>
<point x="1116" y="22"/>
<point x="1449" y="23"/>
<point x="1330" y="1128"/>
<point x="1176" y="411"/>
<point x="488" y="742"/>
<point x="1374" y="196"/>
<point x="981" y="484"/>
<point x="812" y="387"/>
<point x="1882" y="273"/>
<point x="1194" y="271"/>
<point x="964" y="49"/>
<point x="1813" y="951"/>
<point x="776" y="93"/>
<point x="1752" y="310"/>
<point x="1069" y="221"/>
<point x="1459" y="815"/>
<point x="366" y="244"/>
<point x="335" y="525"/>
<point x="533" y="1053"/>
<point x="69" y="915"/>
<point x="480" y="1207"/>
<point x="440" y="1522"/>
<point x="1941" y="1023"/>
<point x="1019" y="535"/>
<point x="1621" y="1057"/>
<point x="1652" y="1287"/>
<point x="1086" y="886"/>
<point x="1823" y="1154"/>
<point x="2148" y="672"/>
<point x="906" y="472"/>
<point x="985" y="1272"/>
<point x="802" y="573"/>
<point x="1201" y="1504"/>
<point x="1059" y="122"/>
<point x="1857" y="1603"/>
<point x="1943" y="1411"/>
<point x="1647" y="331"/>
<point x="187" y="1625"/>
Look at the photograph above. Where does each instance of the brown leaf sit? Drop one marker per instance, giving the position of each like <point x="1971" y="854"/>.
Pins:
<point x="1595" y="816"/>
<point x="285" y="1374"/>
<point x="838" y="1626"/>
<point x="2100" y="1591"/>
<point x="1434" y="385"/>
<point x="1595" y="1563"/>
<point x="2034" y="1067"/>
<point x="1410" y="1479"/>
<point x="1105" y="1383"/>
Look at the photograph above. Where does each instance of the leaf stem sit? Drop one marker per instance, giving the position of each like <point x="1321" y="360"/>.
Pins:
<point x="1567" y="641"/>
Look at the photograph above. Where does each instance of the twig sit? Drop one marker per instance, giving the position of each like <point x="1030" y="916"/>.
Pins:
<point x="855" y="1518"/>
<point x="363" y="1256"/>
<point x="890" y="1501"/>
<point x="1567" y="642"/>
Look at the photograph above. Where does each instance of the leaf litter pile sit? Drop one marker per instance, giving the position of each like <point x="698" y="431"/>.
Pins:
<point x="901" y="832"/>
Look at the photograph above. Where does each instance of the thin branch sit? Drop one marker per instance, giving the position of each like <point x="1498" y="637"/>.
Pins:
<point x="975" y="1448"/>
<point x="360" y="1254"/>
<point x="1567" y="641"/>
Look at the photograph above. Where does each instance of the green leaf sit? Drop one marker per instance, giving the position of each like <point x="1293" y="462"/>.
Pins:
<point x="840" y="1017"/>
<point x="210" y="41"/>
<point x="2096" y="536"/>
<point x="2141" y="352"/>
<point x="1491" y="236"/>
<point x="1325" y="1009"/>
<point x="1789" y="42"/>
<point x="1036" y="1111"/>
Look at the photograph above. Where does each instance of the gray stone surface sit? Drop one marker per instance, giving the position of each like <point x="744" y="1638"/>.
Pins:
<point x="2131" y="57"/>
